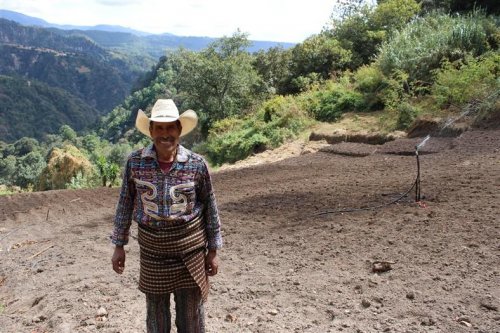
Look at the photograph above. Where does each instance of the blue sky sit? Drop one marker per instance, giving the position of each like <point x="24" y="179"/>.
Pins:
<point x="274" y="20"/>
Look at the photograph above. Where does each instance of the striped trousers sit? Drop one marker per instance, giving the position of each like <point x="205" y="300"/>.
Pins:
<point x="189" y="312"/>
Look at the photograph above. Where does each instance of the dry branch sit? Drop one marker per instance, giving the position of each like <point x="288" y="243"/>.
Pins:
<point x="40" y="252"/>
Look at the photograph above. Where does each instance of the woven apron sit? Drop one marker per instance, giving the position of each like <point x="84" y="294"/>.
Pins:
<point x="173" y="258"/>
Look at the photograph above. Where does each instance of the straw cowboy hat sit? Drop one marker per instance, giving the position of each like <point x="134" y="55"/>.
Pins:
<point x="165" y="111"/>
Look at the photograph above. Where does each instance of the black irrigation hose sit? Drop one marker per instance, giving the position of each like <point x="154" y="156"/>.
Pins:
<point x="350" y="210"/>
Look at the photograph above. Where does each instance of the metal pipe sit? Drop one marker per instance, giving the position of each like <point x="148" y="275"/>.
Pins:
<point x="417" y="180"/>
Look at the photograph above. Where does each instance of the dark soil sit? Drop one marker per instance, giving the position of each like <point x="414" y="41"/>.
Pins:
<point x="303" y="237"/>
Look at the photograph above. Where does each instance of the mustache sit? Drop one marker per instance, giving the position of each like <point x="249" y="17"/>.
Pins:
<point x="168" y="138"/>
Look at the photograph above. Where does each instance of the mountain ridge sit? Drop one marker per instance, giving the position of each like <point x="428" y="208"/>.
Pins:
<point x="99" y="67"/>
<point x="96" y="79"/>
<point x="35" y="21"/>
<point x="172" y="41"/>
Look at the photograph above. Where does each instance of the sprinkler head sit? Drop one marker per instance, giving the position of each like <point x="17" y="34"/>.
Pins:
<point x="424" y="141"/>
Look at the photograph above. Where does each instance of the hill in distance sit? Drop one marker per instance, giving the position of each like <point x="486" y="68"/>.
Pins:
<point x="34" y="21"/>
<point x="94" y="78"/>
<point x="122" y="38"/>
<point x="97" y="66"/>
<point x="30" y="108"/>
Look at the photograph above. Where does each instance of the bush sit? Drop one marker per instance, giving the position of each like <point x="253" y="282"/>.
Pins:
<point x="407" y="113"/>
<point x="424" y="43"/>
<point x="305" y="82"/>
<point x="226" y="125"/>
<point x="396" y="91"/>
<point x="283" y="118"/>
<point x="81" y="180"/>
<point x="7" y="170"/>
<point x="333" y="101"/>
<point x="371" y="82"/>
<point x="28" y="168"/>
<point x="63" y="164"/>
<point x="466" y="81"/>
<point x="233" y="146"/>
<point x="274" y="122"/>
<point x="488" y="115"/>
<point x="380" y="91"/>
<point x="369" y="79"/>
<point x="107" y="170"/>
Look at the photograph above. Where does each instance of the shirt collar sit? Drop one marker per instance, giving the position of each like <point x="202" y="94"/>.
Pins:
<point x="182" y="153"/>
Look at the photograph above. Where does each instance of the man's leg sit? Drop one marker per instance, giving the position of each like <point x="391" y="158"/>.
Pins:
<point x="158" y="313"/>
<point x="189" y="310"/>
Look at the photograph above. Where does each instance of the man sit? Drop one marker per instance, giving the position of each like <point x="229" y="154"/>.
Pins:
<point x="167" y="190"/>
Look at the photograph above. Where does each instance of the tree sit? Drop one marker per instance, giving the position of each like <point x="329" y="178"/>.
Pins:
<point x="489" y="6"/>
<point x="346" y="8"/>
<point x="273" y="66"/>
<point x="7" y="170"/>
<point x="392" y="15"/>
<point x="219" y="81"/>
<point x="118" y="153"/>
<point x="24" y="146"/>
<point x="367" y="27"/>
<point x="318" y="56"/>
<point x="29" y="168"/>
<point x="67" y="133"/>
<point x="108" y="171"/>
<point x="430" y="5"/>
<point x="3" y="146"/>
<point x="158" y="83"/>
<point x="461" y="6"/>
<point x="91" y="142"/>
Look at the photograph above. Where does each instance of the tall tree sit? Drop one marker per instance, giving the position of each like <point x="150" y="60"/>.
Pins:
<point x="367" y="27"/>
<point x="317" y="57"/>
<point x="220" y="81"/>
<point x="29" y="168"/>
<point x="273" y="66"/>
<point x="489" y="6"/>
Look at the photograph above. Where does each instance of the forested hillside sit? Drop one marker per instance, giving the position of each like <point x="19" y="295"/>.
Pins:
<point x="16" y="34"/>
<point x="155" y="46"/>
<point x="96" y="80"/>
<point x="135" y="44"/>
<point x="399" y="61"/>
<point x="95" y="66"/>
<point x="40" y="109"/>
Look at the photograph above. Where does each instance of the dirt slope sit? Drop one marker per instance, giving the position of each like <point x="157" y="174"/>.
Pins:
<point x="291" y="262"/>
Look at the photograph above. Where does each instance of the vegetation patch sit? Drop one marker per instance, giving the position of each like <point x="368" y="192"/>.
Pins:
<point x="274" y="122"/>
<point x="372" y="74"/>
<point x="62" y="165"/>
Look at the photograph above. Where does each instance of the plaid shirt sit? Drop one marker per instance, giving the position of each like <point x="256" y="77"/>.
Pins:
<point x="157" y="199"/>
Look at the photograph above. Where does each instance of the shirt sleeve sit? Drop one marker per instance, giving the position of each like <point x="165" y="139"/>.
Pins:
<point x="211" y="213"/>
<point x="124" y="209"/>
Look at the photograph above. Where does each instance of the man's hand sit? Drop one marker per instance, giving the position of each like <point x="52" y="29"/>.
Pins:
<point x="118" y="259"/>
<point x="211" y="263"/>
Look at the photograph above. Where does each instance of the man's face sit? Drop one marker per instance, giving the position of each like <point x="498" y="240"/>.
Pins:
<point x="165" y="136"/>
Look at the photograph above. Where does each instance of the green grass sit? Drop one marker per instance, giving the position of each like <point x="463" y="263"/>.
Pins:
<point x="6" y="190"/>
